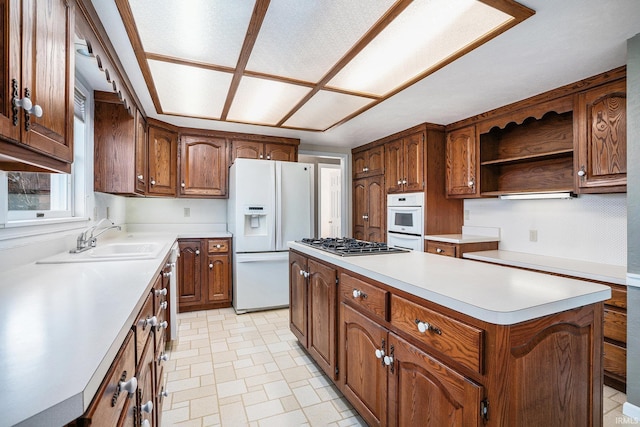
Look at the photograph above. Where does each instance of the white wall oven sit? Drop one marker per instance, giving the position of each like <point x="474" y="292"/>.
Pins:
<point x="405" y="221"/>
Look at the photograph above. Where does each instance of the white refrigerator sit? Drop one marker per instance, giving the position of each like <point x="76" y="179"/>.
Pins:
<point x="270" y="203"/>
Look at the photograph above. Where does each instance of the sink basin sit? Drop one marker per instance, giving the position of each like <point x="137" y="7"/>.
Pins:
<point x="125" y="250"/>
<point x="117" y="251"/>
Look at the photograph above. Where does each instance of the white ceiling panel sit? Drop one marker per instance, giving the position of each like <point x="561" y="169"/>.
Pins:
<point x="325" y="109"/>
<point x="263" y="101"/>
<point x="191" y="91"/>
<point x="426" y="33"/>
<point x="210" y="31"/>
<point x="305" y="39"/>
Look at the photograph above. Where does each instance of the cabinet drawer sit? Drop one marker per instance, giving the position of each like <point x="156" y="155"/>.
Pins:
<point x="615" y="324"/>
<point x="218" y="245"/>
<point x="441" y="248"/>
<point x="368" y="297"/>
<point x="456" y="340"/>
<point x="109" y="402"/>
<point x="615" y="359"/>
<point x="618" y="296"/>
<point x="143" y="326"/>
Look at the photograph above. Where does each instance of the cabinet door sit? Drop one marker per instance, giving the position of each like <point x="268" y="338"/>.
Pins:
<point x="461" y="163"/>
<point x="322" y="316"/>
<point x="283" y="152"/>
<point x="393" y="166"/>
<point x="217" y="278"/>
<point x="189" y="273"/>
<point x="369" y="162"/>
<point x="364" y="376"/>
<point x="141" y="154"/>
<point x="602" y="139"/>
<point x="146" y="385"/>
<point x="424" y="392"/>
<point x="376" y="221"/>
<point x="48" y="76"/>
<point x="298" y="297"/>
<point x="413" y="178"/>
<point x="360" y="208"/>
<point x="163" y="161"/>
<point x="246" y="149"/>
<point x="10" y="69"/>
<point x="203" y="166"/>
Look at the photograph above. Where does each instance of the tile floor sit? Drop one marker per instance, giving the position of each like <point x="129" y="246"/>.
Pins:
<point x="248" y="370"/>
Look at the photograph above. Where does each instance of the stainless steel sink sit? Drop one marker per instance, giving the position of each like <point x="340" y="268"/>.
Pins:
<point x="116" y="251"/>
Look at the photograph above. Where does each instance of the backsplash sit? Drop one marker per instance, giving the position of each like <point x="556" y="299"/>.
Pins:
<point x="588" y="228"/>
<point x="177" y="212"/>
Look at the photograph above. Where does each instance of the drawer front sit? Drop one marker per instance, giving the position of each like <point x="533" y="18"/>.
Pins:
<point x="144" y="326"/>
<point x="368" y="297"/>
<point x="459" y="341"/>
<point x="618" y="296"/>
<point x="218" y="245"/>
<point x="439" y="248"/>
<point x="615" y="324"/>
<point x="615" y="359"/>
<point x="110" y="401"/>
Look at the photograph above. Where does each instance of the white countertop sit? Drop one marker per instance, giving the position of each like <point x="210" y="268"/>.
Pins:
<point x="491" y="293"/>
<point x="62" y="326"/>
<point x="569" y="267"/>
<point x="461" y="238"/>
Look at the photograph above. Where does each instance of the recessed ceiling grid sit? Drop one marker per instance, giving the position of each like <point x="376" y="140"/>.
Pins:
<point x="306" y="65"/>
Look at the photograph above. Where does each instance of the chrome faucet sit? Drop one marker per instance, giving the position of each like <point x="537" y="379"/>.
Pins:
<point x="87" y="240"/>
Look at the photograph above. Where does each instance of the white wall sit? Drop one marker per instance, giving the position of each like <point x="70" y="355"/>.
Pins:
<point x="169" y="214"/>
<point x="589" y="228"/>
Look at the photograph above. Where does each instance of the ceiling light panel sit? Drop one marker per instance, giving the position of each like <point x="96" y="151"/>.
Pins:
<point x="263" y="101"/>
<point x="190" y="91"/>
<point x="426" y="33"/>
<point x="305" y="39"/>
<point x="325" y="109"/>
<point x="210" y="31"/>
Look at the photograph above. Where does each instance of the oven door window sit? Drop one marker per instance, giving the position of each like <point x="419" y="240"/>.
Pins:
<point x="404" y="219"/>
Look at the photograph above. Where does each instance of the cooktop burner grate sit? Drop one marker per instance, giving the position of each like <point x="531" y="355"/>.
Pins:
<point x="346" y="246"/>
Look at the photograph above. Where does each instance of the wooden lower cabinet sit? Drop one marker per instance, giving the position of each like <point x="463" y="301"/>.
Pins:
<point x="313" y="314"/>
<point x="406" y="361"/>
<point x="204" y="274"/>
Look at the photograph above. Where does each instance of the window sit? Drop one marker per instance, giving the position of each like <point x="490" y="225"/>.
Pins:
<point x="36" y="195"/>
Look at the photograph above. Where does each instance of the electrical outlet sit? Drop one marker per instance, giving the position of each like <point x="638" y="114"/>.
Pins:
<point x="466" y="214"/>
<point x="533" y="235"/>
<point x="187" y="212"/>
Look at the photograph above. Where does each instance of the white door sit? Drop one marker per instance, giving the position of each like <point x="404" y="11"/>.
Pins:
<point x="330" y="201"/>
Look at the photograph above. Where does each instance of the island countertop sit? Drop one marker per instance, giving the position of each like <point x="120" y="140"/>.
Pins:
<point x="491" y="293"/>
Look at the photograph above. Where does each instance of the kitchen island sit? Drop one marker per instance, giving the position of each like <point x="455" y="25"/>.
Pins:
<point x="416" y="338"/>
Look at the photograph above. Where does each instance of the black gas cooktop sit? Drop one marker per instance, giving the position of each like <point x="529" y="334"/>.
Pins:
<point x="346" y="246"/>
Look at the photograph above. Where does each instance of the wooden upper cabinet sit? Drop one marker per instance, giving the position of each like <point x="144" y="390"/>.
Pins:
<point x="203" y="166"/>
<point x="404" y="164"/>
<point x="369" y="162"/>
<point x="43" y="28"/>
<point x="120" y="147"/>
<point x="369" y="209"/>
<point x="461" y="163"/>
<point x="601" y="128"/>
<point x="163" y="161"/>
<point x="259" y="149"/>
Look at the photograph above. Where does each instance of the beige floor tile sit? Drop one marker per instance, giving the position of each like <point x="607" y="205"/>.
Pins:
<point x="255" y="396"/>
<point x="203" y="406"/>
<point x="289" y="403"/>
<point x="277" y="389"/>
<point x="296" y="374"/>
<point x="322" y="414"/>
<point x="306" y="396"/>
<point x="231" y="388"/>
<point x="233" y="415"/>
<point x="288" y="419"/>
<point x="191" y="393"/>
<point x="185" y="384"/>
<point x="263" y="379"/>
<point x="264" y="410"/>
<point x="174" y="416"/>
<point x="199" y="369"/>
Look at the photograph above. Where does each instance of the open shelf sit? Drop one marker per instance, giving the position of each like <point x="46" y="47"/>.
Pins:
<point x="529" y="157"/>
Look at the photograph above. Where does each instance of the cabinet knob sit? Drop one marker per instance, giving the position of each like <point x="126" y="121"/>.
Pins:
<point x="129" y="386"/>
<point x="140" y="177"/>
<point x="182" y="185"/>
<point x="163" y="291"/>
<point x="150" y="321"/>
<point x="164" y="305"/>
<point x="269" y="157"/>
<point x="163" y="358"/>
<point x="365" y="169"/>
<point x="162" y="325"/>
<point x="582" y="173"/>
<point x="24" y="103"/>
<point x="164" y="393"/>
<point x="388" y="360"/>
<point x="423" y="327"/>
<point x="399" y="182"/>
<point x="210" y="265"/>
<point x="261" y="156"/>
<point x="472" y="183"/>
<point x="357" y="293"/>
<point x="218" y="246"/>
<point x="145" y="423"/>
<point x="166" y="274"/>
<point x="365" y="217"/>
<point x="404" y="182"/>
<point x="147" y="407"/>
<point x="379" y="353"/>
<point x="153" y="181"/>
<point x="36" y="110"/>
<point x="197" y="251"/>
<point x="438" y="250"/>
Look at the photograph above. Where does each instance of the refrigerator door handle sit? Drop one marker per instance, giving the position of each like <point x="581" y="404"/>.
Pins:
<point x="278" y="204"/>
